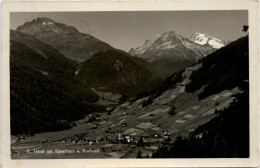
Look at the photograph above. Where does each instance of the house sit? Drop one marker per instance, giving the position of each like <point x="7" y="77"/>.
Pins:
<point x="119" y="137"/>
<point x="199" y="135"/>
<point x="90" y="142"/>
<point x="45" y="141"/>
<point x="164" y="132"/>
<point x="146" y="142"/>
<point x="156" y="135"/>
<point x="94" y="126"/>
<point x="127" y="138"/>
<point x="73" y="141"/>
<point x="124" y="124"/>
<point x="63" y="141"/>
<point x="82" y="140"/>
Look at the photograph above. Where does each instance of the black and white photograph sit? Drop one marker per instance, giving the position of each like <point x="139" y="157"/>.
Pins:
<point x="170" y="84"/>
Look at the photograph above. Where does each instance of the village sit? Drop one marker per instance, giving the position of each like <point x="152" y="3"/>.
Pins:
<point x="129" y="129"/>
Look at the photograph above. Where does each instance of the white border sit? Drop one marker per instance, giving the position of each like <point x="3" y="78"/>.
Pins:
<point x="250" y="5"/>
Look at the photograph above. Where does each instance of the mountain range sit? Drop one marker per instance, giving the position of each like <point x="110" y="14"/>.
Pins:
<point x="83" y="49"/>
<point x="171" y="51"/>
<point x="59" y="67"/>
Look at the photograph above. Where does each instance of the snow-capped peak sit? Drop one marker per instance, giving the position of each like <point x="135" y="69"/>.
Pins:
<point x="200" y="38"/>
<point x="171" y="43"/>
<point x="204" y="39"/>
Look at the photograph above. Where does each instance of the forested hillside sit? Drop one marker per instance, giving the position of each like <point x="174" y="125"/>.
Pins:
<point x="118" y="72"/>
<point x="43" y="89"/>
<point x="224" y="69"/>
<point x="227" y="134"/>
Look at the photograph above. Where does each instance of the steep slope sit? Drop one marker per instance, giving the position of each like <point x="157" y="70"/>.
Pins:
<point x="66" y="39"/>
<point x="171" y="52"/>
<point x="43" y="57"/>
<point x="227" y="133"/>
<point x="43" y="89"/>
<point x="117" y="71"/>
<point x="225" y="136"/>
<point x="223" y="69"/>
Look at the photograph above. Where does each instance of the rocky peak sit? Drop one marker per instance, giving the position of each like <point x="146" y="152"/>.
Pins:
<point x="148" y="43"/>
<point x="44" y="24"/>
<point x="168" y="40"/>
<point x="169" y="36"/>
<point x="204" y="39"/>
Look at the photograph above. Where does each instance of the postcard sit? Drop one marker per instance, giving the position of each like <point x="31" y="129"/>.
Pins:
<point x="130" y="84"/>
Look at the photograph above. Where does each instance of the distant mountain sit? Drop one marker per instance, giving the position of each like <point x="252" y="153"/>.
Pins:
<point x="171" y="51"/>
<point x="66" y="39"/>
<point x="43" y="89"/>
<point x="171" y="45"/>
<point x="205" y="39"/>
<point x="140" y="50"/>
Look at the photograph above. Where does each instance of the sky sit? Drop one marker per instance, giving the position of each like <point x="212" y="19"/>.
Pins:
<point x="128" y="29"/>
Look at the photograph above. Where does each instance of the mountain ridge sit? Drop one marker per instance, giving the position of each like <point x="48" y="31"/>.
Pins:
<point x="170" y="39"/>
<point x="66" y="39"/>
<point x="171" y="51"/>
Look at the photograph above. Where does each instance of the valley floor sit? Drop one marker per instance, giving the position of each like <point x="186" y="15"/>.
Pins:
<point x="128" y="130"/>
